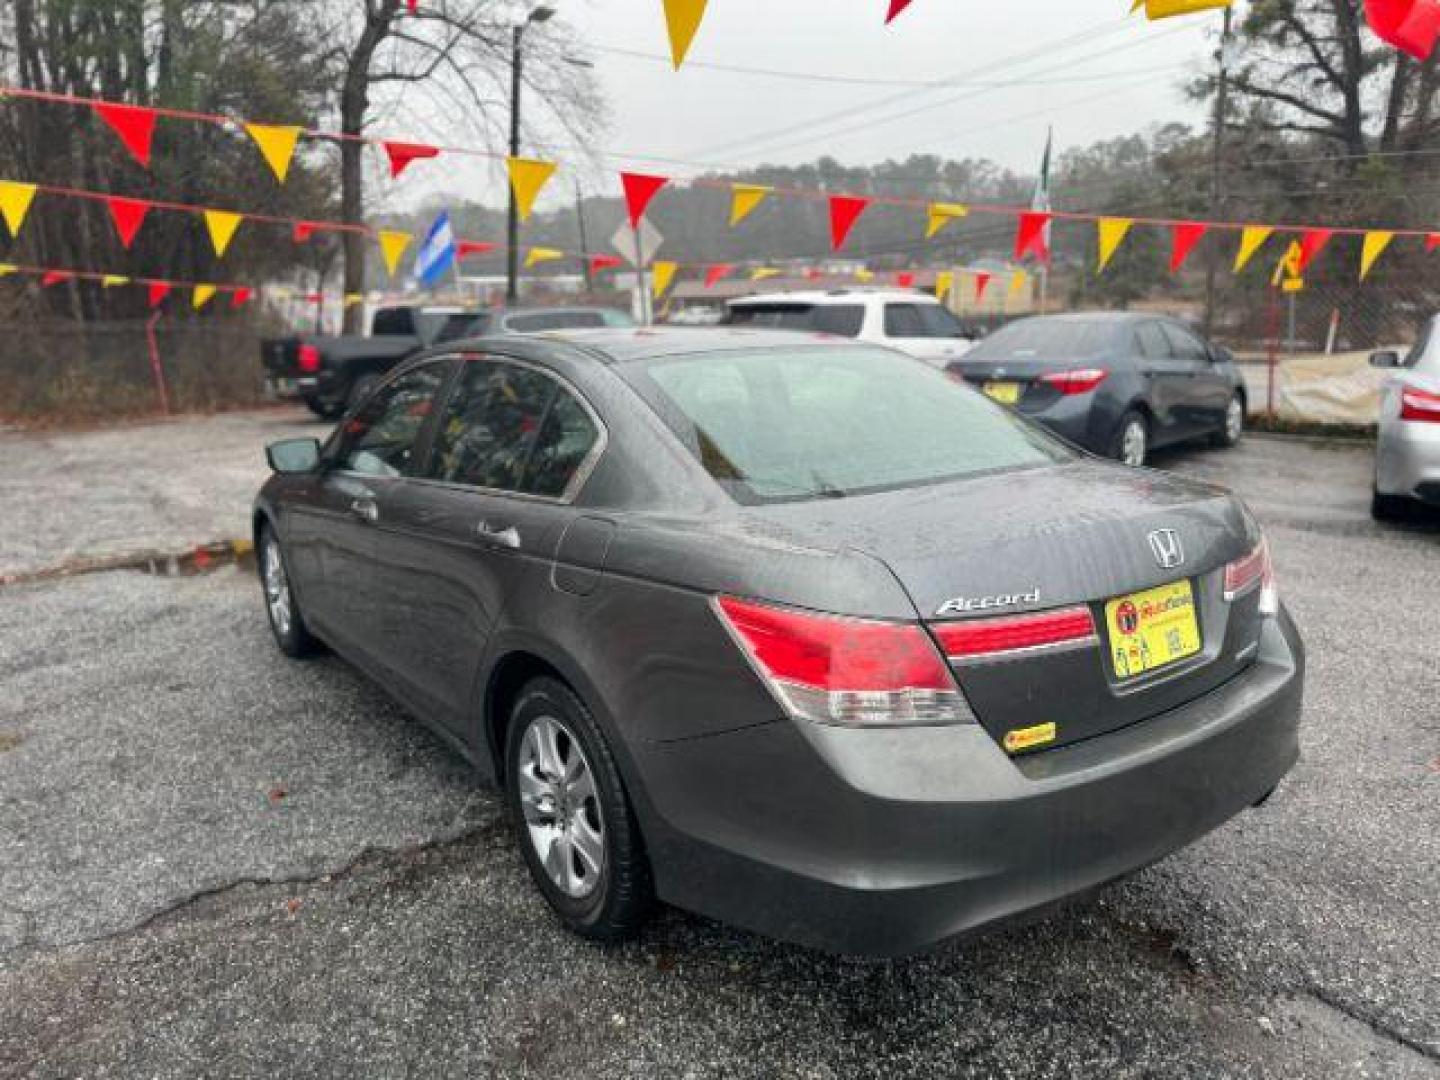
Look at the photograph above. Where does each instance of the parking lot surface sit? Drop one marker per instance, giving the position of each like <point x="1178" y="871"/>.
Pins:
<point x="217" y="862"/>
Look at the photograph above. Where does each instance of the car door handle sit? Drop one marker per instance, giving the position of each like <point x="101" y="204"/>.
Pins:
<point x="506" y="537"/>
<point x="366" y="509"/>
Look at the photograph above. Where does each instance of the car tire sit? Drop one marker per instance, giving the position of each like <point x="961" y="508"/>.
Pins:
<point x="281" y="608"/>
<point x="1233" y="430"/>
<point x="568" y="803"/>
<point x="1132" y="440"/>
<point x="1390" y="508"/>
<point x="359" y="391"/>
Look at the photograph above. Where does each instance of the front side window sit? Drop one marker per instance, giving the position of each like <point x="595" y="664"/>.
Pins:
<point x="382" y="438"/>
<point x="921" y="321"/>
<point x="512" y="428"/>
<point x="802" y="423"/>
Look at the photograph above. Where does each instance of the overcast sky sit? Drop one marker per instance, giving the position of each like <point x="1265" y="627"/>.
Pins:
<point x="1081" y="65"/>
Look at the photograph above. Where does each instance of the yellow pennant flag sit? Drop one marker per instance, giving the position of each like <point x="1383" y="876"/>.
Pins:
<point x="1252" y="239"/>
<point x="944" y="284"/>
<point x="662" y="274"/>
<point x="15" y="200"/>
<point x="744" y="198"/>
<point x="527" y="177"/>
<point x="941" y="214"/>
<point x="6" y="269"/>
<point x="1112" y="234"/>
<point x="203" y="295"/>
<point x="110" y="281"/>
<point x="682" y="19"/>
<point x="392" y="246"/>
<point x="353" y="298"/>
<point x="277" y="144"/>
<point x="221" y="225"/>
<point x="1168" y="9"/>
<point x="864" y="276"/>
<point x="1018" y="281"/>
<point x="761" y="273"/>
<point x="540" y="255"/>
<point x="1375" y="244"/>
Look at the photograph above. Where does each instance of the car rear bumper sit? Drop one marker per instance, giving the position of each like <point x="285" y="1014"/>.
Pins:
<point x="884" y="843"/>
<point x="1079" y="418"/>
<point x="1408" y="460"/>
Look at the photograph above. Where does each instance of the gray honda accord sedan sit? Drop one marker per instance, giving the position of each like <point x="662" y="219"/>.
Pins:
<point x="796" y="633"/>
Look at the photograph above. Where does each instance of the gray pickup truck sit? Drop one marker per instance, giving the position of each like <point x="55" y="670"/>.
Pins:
<point x="329" y="373"/>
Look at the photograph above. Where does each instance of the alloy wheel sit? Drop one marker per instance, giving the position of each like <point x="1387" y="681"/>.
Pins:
<point x="277" y="587"/>
<point x="563" y="822"/>
<point x="1133" y="443"/>
<point x="1234" y="420"/>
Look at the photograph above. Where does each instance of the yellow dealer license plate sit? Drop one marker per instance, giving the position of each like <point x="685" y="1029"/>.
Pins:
<point x="1007" y="393"/>
<point x="1151" y="629"/>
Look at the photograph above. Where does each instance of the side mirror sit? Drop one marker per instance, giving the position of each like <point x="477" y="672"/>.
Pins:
<point x="294" y="455"/>
<point x="1386" y="358"/>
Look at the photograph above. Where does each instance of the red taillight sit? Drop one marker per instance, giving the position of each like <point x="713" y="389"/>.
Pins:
<point x="309" y="358"/>
<point x="1013" y="633"/>
<point x="837" y="670"/>
<point x="1419" y="405"/>
<point x="1075" y="382"/>
<point x="1244" y="574"/>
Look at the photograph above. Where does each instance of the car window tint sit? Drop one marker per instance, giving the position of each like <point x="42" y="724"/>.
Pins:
<point x="1151" y="342"/>
<point x="1061" y="340"/>
<point x="921" y="321"/>
<point x="463" y="325"/>
<point x="903" y="320"/>
<point x="537" y="321"/>
<point x="393" y="322"/>
<point x="566" y="439"/>
<point x="490" y="425"/>
<point x="380" y="440"/>
<point x="842" y="320"/>
<point x="1186" y="345"/>
<point x="616" y="318"/>
<point x="773" y="316"/>
<point x="784" y="425"/>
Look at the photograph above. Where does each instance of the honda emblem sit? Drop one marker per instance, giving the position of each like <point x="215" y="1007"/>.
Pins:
<point x="1166" y="546"/>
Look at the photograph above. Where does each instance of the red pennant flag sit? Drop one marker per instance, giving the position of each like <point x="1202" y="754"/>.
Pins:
<point x="464" y="248"/>
<point x="639" y="190"/>
<point x="982" y="282"/>
<point x="811" y="274"/>
<point x="314" y="298"/>
<point x="304" y="230"/>
<point x="128" y="215"/>
<point x="905" y="281"/>
<point x="896" y="7"/>
<point x="1030" y="235"/>
<point x="1184" y="235"/>
<point x="1410" y="25"/>
<point x="845" y="210"/>
<point x="159" y="290"/>
<point x="604" y="262"/>
<point x="240" y="297"/>
<point x="402" y="154"/>
<point x="135" y="126"/>
<point x="715" y="273"/>
<point x="414" y="6"/>
<point x="1432" y="241"/>
<point x="1311" y="241"/>
<point x="54" y="277"/>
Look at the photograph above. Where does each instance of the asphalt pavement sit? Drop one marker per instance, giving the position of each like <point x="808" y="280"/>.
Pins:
<point x="217" y="862"/>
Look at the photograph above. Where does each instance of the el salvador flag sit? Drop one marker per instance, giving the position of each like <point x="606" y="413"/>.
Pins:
<point x="437" y="254"/>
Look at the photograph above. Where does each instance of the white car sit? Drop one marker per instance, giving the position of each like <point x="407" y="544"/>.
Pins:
<point x="911" y="322"/>
<point x="1407" y="454"/>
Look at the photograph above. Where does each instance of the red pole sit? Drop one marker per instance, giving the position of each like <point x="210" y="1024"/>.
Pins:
<point x="156" y="369"/>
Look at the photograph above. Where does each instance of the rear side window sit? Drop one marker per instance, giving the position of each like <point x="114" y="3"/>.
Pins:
<point x="1186" y="345"/>
<point x="382" y="438"/>
<point x="787" y="425"/>
<point x="921" y="321"/>
<point x="1151" y="342"/>
<point x="512" y="428"/>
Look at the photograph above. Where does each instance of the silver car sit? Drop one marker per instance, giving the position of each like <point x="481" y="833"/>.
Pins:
<point x="1407" y="458"/>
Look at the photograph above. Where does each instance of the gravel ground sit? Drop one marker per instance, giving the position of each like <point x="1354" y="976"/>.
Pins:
<point x="138" y="488"/>
<point x="213" y="861"/>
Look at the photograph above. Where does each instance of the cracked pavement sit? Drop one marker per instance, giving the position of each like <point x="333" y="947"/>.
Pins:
<point x="217" y="862"/>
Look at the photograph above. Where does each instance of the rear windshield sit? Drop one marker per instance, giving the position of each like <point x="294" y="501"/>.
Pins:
<point x="843" y="320"/>
<point x="534" y="322"/>
<point x="460" y="326"/>
<point x="794" y="424"/>
<point x="1044" y="339"/>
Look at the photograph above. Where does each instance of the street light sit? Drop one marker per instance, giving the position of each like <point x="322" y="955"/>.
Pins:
<point x="539" y="14"/>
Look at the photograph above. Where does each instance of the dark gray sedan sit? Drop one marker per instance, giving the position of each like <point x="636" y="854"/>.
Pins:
<point x="1115" y="383"/>
<point x="799" y="634"/>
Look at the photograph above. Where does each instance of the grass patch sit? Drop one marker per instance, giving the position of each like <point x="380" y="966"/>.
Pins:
<point x="1282" y="425"/>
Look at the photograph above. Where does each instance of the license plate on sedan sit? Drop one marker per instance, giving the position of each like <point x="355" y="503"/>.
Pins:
<point x="1149" y="630"/>
<point x="1006" y="393"/>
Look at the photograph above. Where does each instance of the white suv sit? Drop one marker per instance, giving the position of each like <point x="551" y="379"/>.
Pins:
<point x="912" y="322"/>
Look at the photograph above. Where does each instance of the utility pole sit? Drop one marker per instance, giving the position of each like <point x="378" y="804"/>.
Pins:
<point x="540" y="14"/>
<point x="1217" y="172"/>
